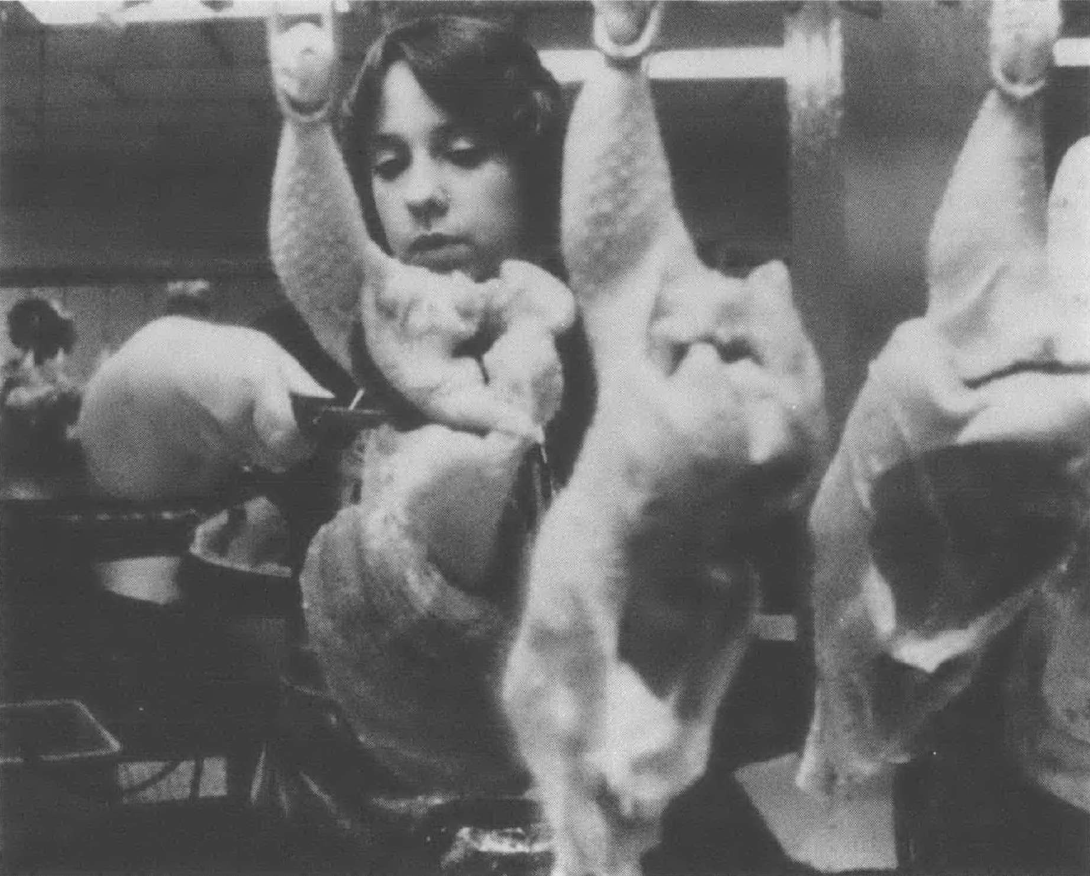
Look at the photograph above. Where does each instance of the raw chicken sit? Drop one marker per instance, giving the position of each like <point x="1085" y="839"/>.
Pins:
<point x="413" y="319"/>
<point x="408" y="644"/>
<point x="709" y="423"/>
<point x="961" y="479"/>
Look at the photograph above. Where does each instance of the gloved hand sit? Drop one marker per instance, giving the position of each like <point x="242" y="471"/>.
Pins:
<point x="184" y="404"/>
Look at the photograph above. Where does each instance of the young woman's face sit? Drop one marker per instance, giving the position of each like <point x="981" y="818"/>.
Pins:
<point x="447" y="199"/>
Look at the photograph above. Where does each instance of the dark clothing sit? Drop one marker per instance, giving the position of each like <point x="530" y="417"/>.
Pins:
<point x="37" y="409"/>
<point x="285" y="326"/>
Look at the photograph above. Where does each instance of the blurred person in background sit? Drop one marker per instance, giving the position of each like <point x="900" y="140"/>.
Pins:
<point x="39" y="401"/>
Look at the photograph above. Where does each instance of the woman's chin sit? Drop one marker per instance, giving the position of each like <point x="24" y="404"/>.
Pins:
<point x="461" y="259"/>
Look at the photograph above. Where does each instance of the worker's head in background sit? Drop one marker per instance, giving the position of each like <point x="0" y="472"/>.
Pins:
<point x="41" y="329"/>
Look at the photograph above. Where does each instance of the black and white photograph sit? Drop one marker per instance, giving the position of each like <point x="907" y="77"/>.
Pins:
<point x="545" y="437"/>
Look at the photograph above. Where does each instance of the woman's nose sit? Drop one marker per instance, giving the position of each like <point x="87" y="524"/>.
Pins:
<point x="426" y="196"/>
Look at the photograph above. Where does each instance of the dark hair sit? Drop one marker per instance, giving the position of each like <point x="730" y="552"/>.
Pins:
<point x="40" y="326"/>
<point x="483" y="75"/>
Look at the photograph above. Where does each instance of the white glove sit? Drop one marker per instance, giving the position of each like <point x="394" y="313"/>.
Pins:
<point x="184" y="404"/>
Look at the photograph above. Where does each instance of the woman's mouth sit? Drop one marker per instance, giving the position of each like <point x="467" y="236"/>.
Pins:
<point x="439" y="252"/>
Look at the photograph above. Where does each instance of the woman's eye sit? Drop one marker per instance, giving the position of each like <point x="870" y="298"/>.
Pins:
<point x="466" y="153"/>
<point x="387" y="167"/>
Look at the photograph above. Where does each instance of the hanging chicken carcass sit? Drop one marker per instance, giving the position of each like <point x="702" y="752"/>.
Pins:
<point x="710" y="422"/>
<point x="960" y="486"/>
<point x="408" y="647"/>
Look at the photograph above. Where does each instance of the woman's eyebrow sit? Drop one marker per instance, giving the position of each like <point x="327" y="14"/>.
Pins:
<point x="451" y="130"/>
<point x="384" y="140"/>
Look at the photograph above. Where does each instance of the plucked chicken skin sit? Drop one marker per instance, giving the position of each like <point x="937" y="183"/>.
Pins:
<point x="407" y="643"/>
<point x="710" y="420"/>
<point x="959" y="488"/>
